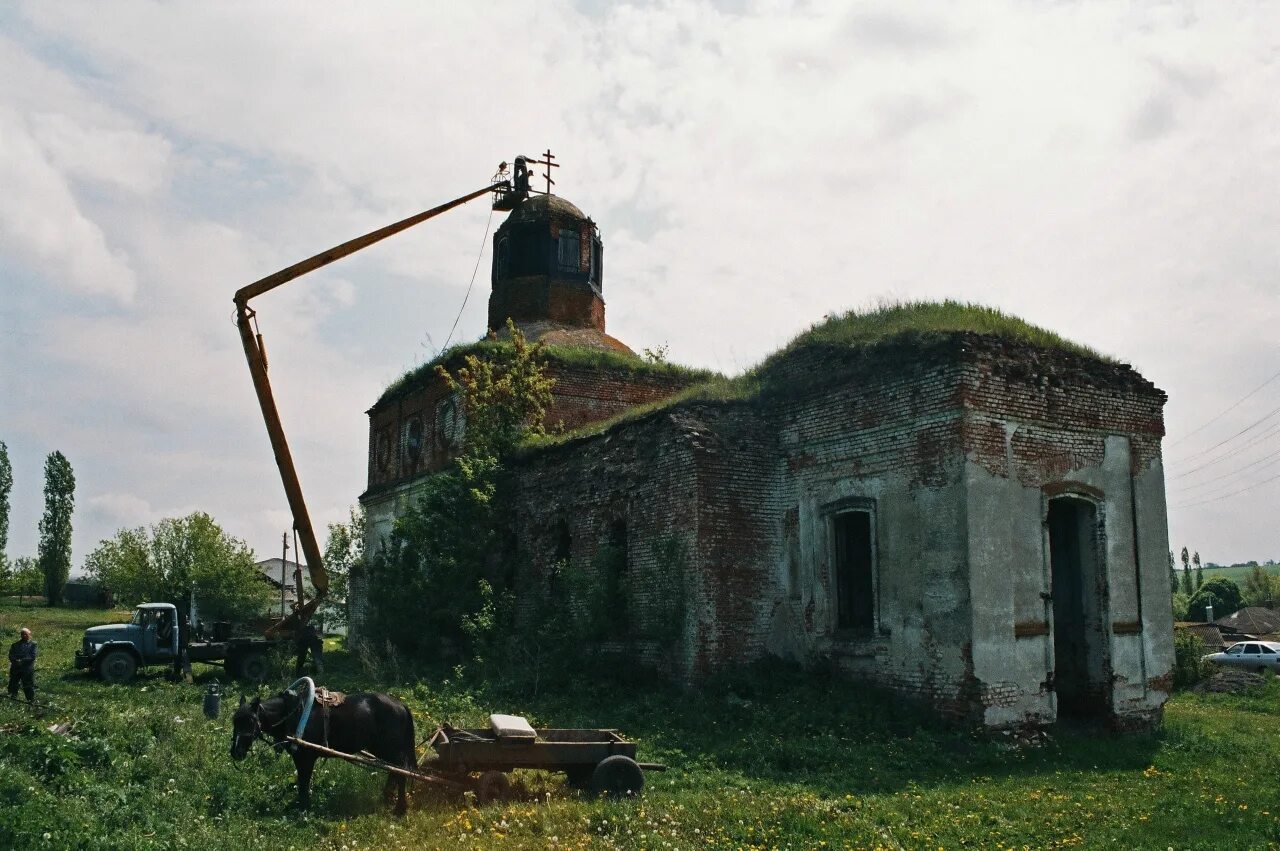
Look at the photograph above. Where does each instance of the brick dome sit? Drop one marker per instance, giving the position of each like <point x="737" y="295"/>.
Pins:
<point x="548" y="272"/>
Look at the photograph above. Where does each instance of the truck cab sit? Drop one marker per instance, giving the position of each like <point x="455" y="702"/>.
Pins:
<point x="116" y="651"/>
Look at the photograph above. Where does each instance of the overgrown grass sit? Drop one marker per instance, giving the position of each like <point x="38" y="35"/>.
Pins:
<point x="419" y="376"/>
<point x="924" y="322"/>
<point x="773" y="758"/>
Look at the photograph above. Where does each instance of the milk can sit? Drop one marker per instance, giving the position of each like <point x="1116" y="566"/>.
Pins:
<point x="213" y="700"/>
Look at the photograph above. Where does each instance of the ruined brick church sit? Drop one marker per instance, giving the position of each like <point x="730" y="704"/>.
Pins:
<point x="964" y="517"/>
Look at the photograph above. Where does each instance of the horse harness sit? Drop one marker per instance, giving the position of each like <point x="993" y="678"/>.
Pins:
<point x="326" y="700"/>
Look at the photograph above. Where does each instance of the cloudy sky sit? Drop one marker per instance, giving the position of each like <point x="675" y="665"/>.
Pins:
<point x="1106" y="170"/>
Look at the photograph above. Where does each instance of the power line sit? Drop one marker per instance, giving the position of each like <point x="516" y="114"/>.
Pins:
<point x="1223" y="413"/>
<point x="1250" y="427"/>
<point x="1225" y="495"/>
<point x="1256" y="439"/>
<point x="470" y="283"/>
<point x="1268" y="458"/>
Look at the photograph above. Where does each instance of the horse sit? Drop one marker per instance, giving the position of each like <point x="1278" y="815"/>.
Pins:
<point x="369" y="721"/>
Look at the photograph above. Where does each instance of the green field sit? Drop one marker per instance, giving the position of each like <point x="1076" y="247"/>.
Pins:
<point x="1236" y="573"/>
<point x="778" y="759"/>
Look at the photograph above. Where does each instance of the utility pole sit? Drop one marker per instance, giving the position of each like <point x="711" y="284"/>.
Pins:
<point x="284" y="561"/>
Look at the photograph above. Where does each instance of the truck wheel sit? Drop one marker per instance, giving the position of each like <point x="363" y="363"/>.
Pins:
<point x="118" y="666"/>
<point x="253" y="667"/>
<point x="617" y="776"/>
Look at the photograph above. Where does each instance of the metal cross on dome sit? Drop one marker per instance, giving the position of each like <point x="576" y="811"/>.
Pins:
<point x="548" y="162"/>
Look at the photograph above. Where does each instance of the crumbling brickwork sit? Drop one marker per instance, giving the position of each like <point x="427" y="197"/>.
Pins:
<point x="956" y="448"/>
<point x="974" y="522"/>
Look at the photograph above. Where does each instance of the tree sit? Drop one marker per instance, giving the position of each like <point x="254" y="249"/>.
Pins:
<point x="1222" y="594"/>
<point x="6" y="487"/>
<point x="23" y="577"/>
<point x="1186" y="573"/>
<point x="178" y="556"/>
<point x="55" y="525"/>
<point x="1261" y="587"/>
<point x="1195" y="559"/>
<point x="441" y="570"/>
<point x="343" y="552"/>
<point x="1173" y="574"/>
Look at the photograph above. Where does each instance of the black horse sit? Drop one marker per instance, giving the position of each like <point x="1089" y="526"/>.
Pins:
<point x="368" y="721"/>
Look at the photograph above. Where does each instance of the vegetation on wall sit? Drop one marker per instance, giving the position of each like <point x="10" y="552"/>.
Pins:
<point x="920" y="323"/>
<point x="432" y="583"/>
<point x="178" y="556"/>
<point x="580" y="356"/>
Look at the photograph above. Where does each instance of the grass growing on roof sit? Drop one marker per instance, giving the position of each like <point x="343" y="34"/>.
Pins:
<point x="925" y="320"/>
<point x="582" y="356"/>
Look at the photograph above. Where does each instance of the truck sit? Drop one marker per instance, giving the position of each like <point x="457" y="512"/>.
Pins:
<point x="115" y="652"/>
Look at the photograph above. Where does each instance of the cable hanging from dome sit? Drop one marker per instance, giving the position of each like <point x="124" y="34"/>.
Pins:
<point x="484" y="239"/>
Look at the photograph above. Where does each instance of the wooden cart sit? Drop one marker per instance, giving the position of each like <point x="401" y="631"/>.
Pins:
<point x="478" y="760"/>
<point x="599" y="761"/>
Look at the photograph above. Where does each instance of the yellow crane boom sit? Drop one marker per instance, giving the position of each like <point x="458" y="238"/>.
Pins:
<point x="256" y="355"/>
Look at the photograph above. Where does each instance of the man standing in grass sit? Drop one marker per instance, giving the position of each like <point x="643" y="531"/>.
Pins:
<point x="308" y="639"/>
<point x="22" y="666"/>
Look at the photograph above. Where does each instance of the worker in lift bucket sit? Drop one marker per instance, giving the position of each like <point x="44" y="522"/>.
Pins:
<point x="22" y="666"/>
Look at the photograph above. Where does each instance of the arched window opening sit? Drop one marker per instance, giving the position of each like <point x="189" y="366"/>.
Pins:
<point x="1082" y="665"/>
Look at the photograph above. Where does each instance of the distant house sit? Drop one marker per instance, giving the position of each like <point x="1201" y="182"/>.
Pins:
<point x="269" y="569"/>
<point x="280" y="573"/>
<point x="1250" y="621"/>
<point x="1208" y="634"/>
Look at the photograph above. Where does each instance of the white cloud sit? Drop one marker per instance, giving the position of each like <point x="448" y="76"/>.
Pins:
<point x="42" y="225"/>
<point x="1104" y="171"/>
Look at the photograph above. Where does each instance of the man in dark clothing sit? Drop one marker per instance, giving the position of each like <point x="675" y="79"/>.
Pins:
<point x="22" y="666"/>
<point x="182" y="662"/>
<point x="308" y="638"/>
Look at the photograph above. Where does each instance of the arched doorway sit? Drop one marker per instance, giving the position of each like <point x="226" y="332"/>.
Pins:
<point x="1082" y="664"/>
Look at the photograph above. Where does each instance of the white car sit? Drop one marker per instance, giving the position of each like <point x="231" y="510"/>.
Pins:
<point x="1260" y="656"/>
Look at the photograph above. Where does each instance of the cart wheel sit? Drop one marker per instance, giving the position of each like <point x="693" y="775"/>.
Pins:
<point x="617" y="776"/>
<point x="492" y="786"/>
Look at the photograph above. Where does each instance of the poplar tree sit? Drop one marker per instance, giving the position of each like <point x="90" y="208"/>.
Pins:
<point x="1195" y="559"/>
<point x="6" y="487"/>
<point x="1173" y="574"/>
<point x="55" y="525"/>
<point x="1186" y="573"/>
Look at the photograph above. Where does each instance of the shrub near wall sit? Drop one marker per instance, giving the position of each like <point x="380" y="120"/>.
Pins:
<point x="1188" y="669"/>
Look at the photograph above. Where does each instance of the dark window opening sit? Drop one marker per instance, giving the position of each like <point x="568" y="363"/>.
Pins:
<point x="502" y="259"/>
<point x="597" y="264"/>
<point x="562" y="547"/>
<point x="510" y="559"/>
<point x="1081" y="666"/>
<point x="569" y="258"/>
<point x="614" y="565"/>
<point x="414" y="433"/>
<point x="854" y="560"/>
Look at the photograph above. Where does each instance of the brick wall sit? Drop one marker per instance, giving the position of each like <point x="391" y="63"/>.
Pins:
<point x="580" y="395"/>
<point x="951" y="443"/>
